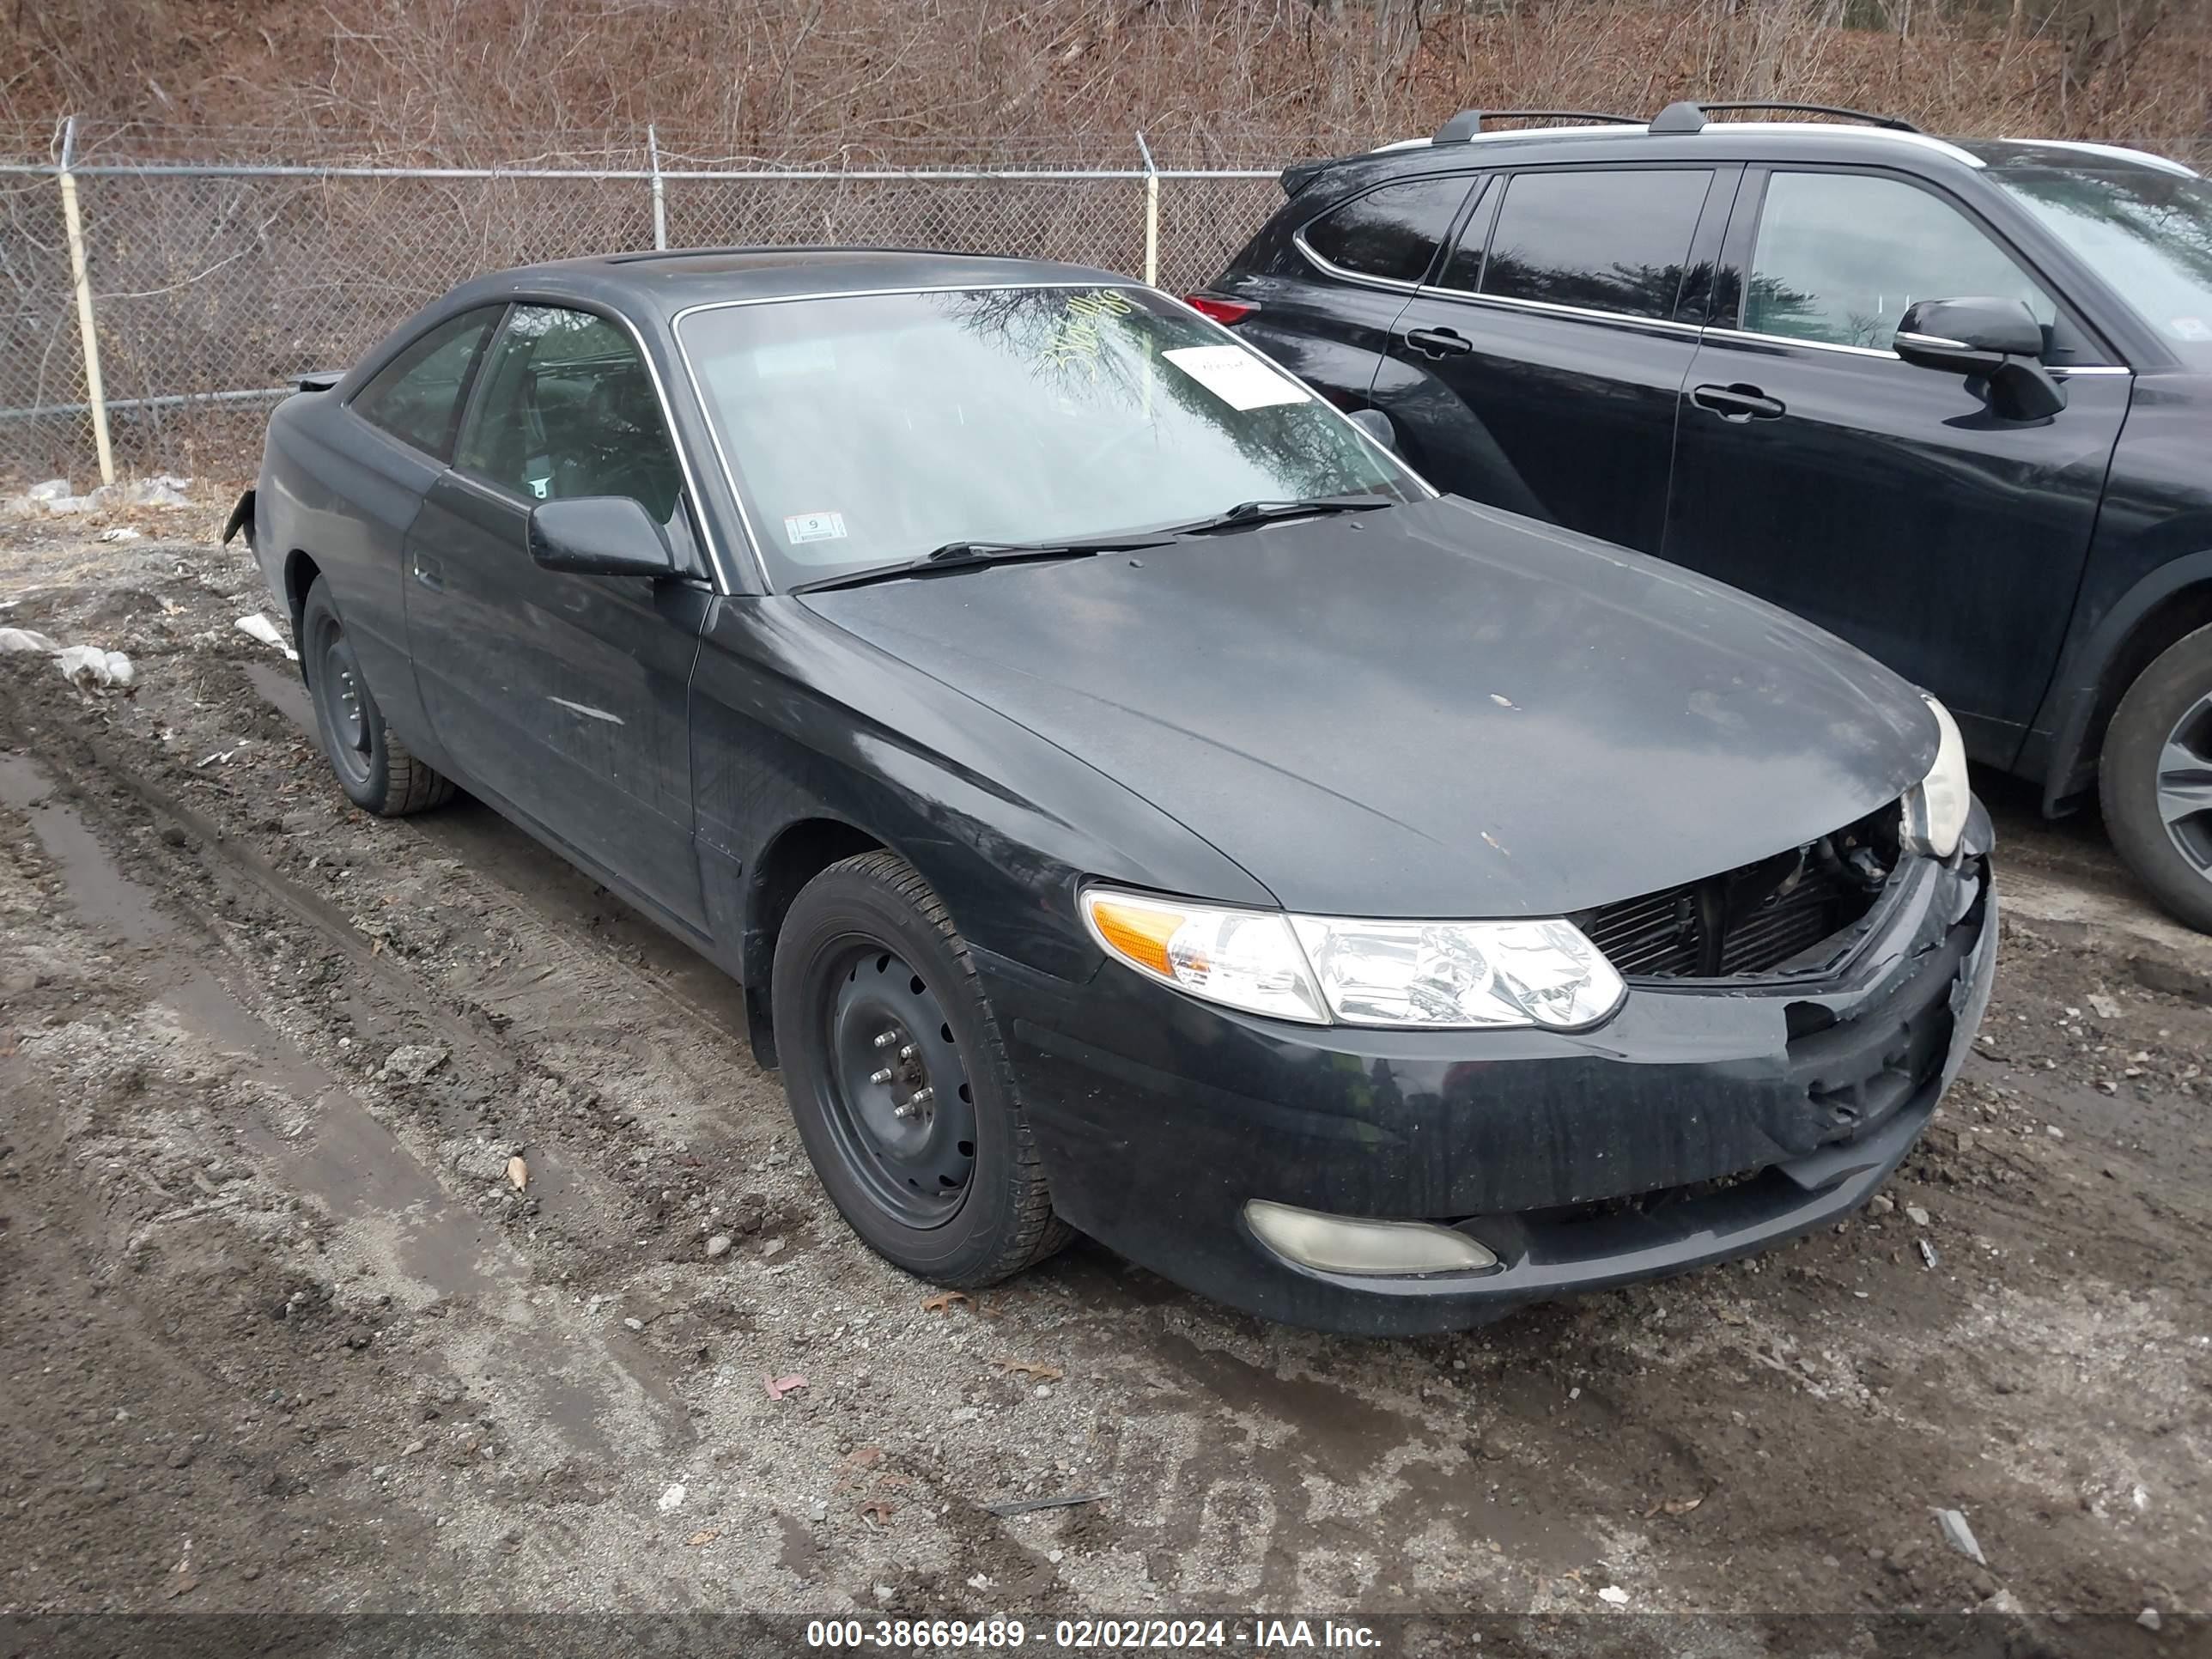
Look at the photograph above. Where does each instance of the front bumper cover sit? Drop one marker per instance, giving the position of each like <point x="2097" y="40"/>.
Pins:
<point x="1705" y="1121"/>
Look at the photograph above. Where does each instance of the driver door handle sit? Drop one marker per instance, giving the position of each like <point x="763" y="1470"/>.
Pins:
<point x="1438" y="341"/>
<point x="1738" y="403"/>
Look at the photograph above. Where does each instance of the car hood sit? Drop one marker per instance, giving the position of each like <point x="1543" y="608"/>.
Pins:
<point x="1433" y="710"/>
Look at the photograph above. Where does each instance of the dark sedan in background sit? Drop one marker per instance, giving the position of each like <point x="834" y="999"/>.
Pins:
<point x="1129" y="798"/>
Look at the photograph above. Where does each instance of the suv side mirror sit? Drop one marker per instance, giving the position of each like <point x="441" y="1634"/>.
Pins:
<point x="1376" y="425"/>
<point x="1996" y="340"/>
<point x="599" y="536"/>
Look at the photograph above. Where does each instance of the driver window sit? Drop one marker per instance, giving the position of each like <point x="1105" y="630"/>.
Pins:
<point x="568" y="410"/>
<point x="1840" y="256"/>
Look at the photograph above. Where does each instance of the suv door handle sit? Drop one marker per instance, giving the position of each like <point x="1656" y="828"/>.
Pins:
<point x="430" y="573"/>
<point x="1738" y="403"/>
<point x="1438" y="342"/>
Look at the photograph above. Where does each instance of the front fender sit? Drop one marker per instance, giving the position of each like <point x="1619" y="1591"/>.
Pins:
<point x="794" y="718"/>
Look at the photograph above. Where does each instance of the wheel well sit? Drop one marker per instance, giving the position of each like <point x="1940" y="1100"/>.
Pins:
<point x="799" y="853"/>
<point x="300" y="572"/>
<point x="2173" y="618"/>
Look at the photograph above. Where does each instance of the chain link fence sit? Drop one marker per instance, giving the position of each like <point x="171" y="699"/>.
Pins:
<point x="210" y="283"/>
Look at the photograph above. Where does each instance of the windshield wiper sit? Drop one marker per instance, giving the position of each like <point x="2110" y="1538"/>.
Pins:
<point x="1254" y="513"/>
<point x="969" y="554"/>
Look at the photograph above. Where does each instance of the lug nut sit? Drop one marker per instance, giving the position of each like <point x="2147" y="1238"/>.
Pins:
<point x="883" y="1076"/>
<point x="906" y="1053"/>
<point x="884" y="1039"/>
<point x="921" y="1098"/>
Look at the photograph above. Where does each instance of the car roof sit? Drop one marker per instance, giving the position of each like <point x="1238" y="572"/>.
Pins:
<point x="673" y="279"/>
<point x="1737" y="141"/>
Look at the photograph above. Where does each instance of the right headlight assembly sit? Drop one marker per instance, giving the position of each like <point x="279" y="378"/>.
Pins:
<point x="1935" y="808"/>
<point x="1442" y="975"/>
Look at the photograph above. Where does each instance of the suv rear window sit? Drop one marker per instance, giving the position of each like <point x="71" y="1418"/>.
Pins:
<point x="1392" y="233"/>
<point x="1602" y="241"/>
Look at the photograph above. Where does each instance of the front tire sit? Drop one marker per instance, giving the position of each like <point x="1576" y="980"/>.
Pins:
<point x="2154" y="778"/>
<point x="373" y="767"/>
<point x="898" y="1080"/>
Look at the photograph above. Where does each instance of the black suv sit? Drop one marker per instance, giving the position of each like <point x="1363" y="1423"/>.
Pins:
<point x="1950" y="400"/>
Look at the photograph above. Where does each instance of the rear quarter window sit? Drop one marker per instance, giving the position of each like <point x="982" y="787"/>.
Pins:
<point x="416" y="397"/>
<point x="1392" y="233"/>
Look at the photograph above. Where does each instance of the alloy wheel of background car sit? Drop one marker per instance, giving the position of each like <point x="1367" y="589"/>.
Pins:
<point x="373" y="767"/>
<point x="2155" y="778"/>
<point x="2184" y="785"/>
<point x="898" y="1081"/>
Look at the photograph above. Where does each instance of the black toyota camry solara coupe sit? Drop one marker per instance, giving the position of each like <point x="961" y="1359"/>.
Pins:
<point x="1128" y="798"/>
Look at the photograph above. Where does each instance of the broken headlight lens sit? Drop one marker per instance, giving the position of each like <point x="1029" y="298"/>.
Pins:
<point x="1440" y="975"/>
<point x="1935" y="808"/>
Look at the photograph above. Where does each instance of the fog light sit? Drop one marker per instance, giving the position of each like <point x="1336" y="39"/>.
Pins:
<point x="1344" y="1244"/>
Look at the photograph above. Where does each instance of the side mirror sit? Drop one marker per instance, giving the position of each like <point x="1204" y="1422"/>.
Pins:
<point x="1996" y="340"/>
<point x="1376" y="425"/>
<point x="599" y="536"/>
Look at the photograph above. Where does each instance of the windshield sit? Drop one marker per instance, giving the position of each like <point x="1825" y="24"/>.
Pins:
<point x="865" y="430"/>
<point x="2147" y="233"/>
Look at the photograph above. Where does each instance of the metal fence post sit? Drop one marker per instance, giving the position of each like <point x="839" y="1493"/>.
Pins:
<point x="659" y="202"/>
<point x="1152" y="215"/>
<point x="95" y="394"/>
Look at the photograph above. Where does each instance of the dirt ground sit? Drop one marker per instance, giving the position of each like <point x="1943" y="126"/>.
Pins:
<point x="279" y="1332"/>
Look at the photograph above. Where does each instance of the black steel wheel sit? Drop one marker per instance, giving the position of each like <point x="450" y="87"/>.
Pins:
<point x="373" y="767"/>
<point x="2155" y="778"/>
<point x="335" y="679"/>
<point x="900" y="1103"/>
<point x="899" y="1082"/>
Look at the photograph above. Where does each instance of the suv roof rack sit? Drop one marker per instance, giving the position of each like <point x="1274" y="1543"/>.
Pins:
<point x="1468" y="122"/>
<point x="1689" y="116"/>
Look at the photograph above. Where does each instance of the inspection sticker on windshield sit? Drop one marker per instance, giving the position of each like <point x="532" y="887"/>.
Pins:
<point x="814" y="527"/>
<point x="2192" y="328"/>
<point x="1236" y="376"/>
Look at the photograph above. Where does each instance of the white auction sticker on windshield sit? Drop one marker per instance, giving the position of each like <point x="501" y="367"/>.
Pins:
<point x="1236" y="376"/>
<point x="814" y="527"/>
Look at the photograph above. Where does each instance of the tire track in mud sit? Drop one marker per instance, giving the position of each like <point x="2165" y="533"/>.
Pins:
<point x="572" y="1393"/>
<point x="556" y="989"/>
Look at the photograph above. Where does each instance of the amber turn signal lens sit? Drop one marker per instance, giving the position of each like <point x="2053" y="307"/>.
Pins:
<point x="1137" y="932"/>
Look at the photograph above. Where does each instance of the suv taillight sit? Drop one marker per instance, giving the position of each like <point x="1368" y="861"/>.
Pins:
<point x="1227" y="312"/>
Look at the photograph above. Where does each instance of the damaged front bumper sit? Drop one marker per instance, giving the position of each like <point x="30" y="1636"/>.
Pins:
<point x="1705" y="1121"/>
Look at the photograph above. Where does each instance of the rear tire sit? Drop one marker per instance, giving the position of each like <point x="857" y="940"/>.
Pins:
<point x="2154" y="778"/>
<point x="899" y="1083"/>
<point x="373" y="767"/>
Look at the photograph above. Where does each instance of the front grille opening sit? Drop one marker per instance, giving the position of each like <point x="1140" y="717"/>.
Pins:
<point x="1752" y="919"/>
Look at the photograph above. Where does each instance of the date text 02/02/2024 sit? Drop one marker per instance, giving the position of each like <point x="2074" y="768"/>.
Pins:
<point x="903" y="1635"/>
